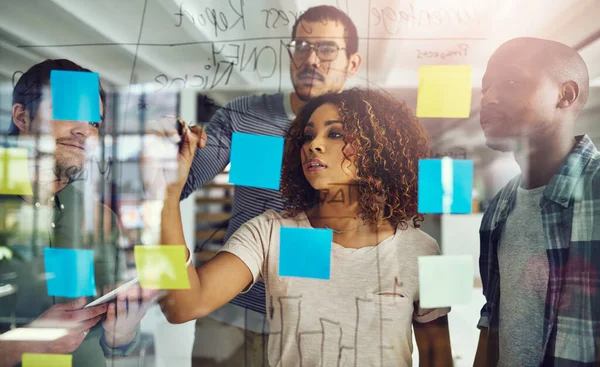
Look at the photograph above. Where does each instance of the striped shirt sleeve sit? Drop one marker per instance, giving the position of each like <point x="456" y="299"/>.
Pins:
<point x="211" y="160"/>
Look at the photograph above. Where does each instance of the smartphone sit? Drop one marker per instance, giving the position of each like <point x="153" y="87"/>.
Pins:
<point x="113" y="294"/>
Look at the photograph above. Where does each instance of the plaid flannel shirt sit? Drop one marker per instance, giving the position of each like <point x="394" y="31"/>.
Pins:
<point x="570" y="209"/>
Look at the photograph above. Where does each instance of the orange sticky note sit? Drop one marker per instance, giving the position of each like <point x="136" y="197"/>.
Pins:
<point x="161" y="267"/>
<point x="444" y="91"/>
<point x="14" y="174"/>
<point x="46" y="360"/>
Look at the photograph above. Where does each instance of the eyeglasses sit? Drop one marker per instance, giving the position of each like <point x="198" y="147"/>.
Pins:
<point x="325" y="51"/>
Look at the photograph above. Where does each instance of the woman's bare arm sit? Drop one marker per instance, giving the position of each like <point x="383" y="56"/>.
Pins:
<point x="214" y="283"/>
<point x="211" y="285"/>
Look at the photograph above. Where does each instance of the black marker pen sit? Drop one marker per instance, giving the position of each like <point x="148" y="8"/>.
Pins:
<point x="182" y="129"/>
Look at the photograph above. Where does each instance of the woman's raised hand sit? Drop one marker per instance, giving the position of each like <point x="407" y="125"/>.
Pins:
<point x="167" y="155"/>
<point x="193" y="137"/>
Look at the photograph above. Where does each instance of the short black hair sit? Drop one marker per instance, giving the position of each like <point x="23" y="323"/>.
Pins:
<point x="323" y="13"/>
<point x="28" y="90"/>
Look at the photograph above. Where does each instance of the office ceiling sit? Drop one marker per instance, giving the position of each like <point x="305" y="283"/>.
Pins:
<point x="232" y="47"/>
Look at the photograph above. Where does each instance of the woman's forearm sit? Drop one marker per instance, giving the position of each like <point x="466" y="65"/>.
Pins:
<point x="171" y="229"/>
<point x="212" y="285"/>
<point x="179" y="305"/>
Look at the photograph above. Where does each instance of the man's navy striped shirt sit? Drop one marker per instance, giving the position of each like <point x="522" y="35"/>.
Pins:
<point x="267" y="114"/>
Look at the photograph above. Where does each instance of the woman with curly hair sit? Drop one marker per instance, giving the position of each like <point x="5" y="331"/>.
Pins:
<point x="350" y="166"/>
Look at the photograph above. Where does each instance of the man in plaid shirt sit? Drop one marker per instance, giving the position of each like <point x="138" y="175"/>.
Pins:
<point x="540" y="237"/>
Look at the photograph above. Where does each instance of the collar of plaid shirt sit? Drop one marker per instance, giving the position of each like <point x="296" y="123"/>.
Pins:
<point x="570" y="209"/>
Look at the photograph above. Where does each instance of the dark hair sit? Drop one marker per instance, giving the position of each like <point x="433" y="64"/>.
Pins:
<point x="324" y="13"/>
<point x="28" y="90"/>
<point x="388" y="141"/>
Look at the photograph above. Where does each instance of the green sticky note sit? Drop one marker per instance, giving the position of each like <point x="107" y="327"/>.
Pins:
<point x="162" y="267"/>
<point x="14" y="174"/>
<point x="46" y="360"/>
<point x="445" y="281"/>
<point x="444" y="91"/>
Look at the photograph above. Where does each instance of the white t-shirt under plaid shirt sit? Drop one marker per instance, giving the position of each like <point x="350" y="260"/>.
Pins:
<point x="361" y="316"/>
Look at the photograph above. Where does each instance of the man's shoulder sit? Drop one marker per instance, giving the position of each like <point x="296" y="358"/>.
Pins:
<point x="592" y="170"/>
<point x="255" y="101"/>
<point x="588" y="187"/>
<point x="263" y="114"/>
<point x="583" y="164"/>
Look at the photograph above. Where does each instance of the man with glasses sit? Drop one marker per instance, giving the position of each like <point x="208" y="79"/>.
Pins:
<point x="324" y="55"/>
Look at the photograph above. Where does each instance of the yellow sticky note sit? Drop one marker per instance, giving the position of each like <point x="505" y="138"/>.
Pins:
<point x="46" y="360"/>
<point x="162" y="267"/>
<point x="444" y="91"/>
<point x="14" y="174"/>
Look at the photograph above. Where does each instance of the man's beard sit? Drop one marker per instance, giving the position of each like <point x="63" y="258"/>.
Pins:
<point x="68" y="173"/>
<point x="67" y="168"/>
<point x="312" y="73"/>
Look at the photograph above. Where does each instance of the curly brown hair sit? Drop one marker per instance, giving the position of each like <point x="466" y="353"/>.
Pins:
<point x="388" y="141"/>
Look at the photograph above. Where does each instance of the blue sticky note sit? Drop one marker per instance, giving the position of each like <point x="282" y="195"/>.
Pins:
<point x="69" y="272"/>
<point x="445" y="186"/>
<point x="256" y="160"/>
<point x="305" y="252"/>
<point x="75" y="95"/>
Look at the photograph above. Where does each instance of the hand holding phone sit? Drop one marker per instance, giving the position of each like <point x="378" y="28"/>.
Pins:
<point x="113" y="294"/>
